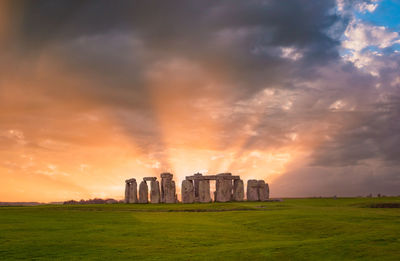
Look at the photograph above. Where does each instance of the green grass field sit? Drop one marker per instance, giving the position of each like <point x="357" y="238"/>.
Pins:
<point x="295" y="229"/>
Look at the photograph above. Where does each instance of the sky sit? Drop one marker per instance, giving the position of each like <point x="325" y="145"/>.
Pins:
<point x="302" y="94"/>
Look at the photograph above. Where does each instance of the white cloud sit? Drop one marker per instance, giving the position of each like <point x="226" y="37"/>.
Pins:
<point x="340" y="5"/>
<point x="360" y="37"/>
<point x="291" y="53"/>
<point x="366" y="7"/>
<point x="337" y="105"/>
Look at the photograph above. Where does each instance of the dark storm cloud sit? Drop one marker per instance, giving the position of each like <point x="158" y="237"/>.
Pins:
<point x="243" y="34"/>
<point x="115" y="45"/>
<point x="374" y="134"/>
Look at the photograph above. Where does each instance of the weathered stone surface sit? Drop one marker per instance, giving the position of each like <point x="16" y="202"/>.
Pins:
<point x="149" y="178"/>
<point x="197" y="177"/>
<point x="252" y="190"/>
<point x="262" y="193"/>
<point x="130" y="191"/>
<point x="238" y="190"/>
<point x="173" y="197"/>
<point x="267" y="189"/>
<point x="187" y="191"/>
<point x="154" y="191"/>
<point x="204" y="191"/>
<point x="166" y="175"/>
<point x="168" y="194"/>
<point x="133" y="192"/>
<point x="223" y="190"/>
<point x="143" y="192"/>
<point x="127" y="192"/>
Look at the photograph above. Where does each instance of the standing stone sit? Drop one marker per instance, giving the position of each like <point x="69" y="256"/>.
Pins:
<point x="238" y="190"/>
<point x="168" y="194"/>
<point x="187" y="191"/>
<point x="196" y="185"/>
<point x="262" y="193"/>
<point x="154" y="191"/>
<point x="252" y="190"/>
<point x="204" y="191"/>
<point x="133" y="192"/>
<point x="143" y="192"/>
<point x="223" y="190"/>
<point x="173" y="197"/>
<point x="127" y="184"/>
<point x="267" y="191"/>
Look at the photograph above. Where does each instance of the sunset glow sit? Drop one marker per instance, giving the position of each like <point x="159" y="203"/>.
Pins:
<point x="92" y="94"/>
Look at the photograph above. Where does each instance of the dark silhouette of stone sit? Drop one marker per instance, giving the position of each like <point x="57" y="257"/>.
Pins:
<point x="238" y="190"/>
<point x="252" y="190"/>
<point x="187" y="191"/>
<point x="143" y="192"/>
<point x="150" y="178"/>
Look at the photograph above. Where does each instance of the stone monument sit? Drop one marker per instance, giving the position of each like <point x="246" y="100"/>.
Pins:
<point x="238" y="190"/>
<point x="131" y="191"/>
<point x="143" y="192"/>
<point x="187" y="191"/>
<point x="168" y="191"/>
<point x="252" y="190"/>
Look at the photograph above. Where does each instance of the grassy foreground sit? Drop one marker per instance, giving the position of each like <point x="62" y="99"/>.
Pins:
<point x="295" y="229"/>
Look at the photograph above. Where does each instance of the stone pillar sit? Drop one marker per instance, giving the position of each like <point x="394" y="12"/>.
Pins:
<point x="263" y="190"/>
<point x="196" y="186"/>
<point x="252" y="190"/>
<point x="187" y="191"/>
<point x="204" y="191"/>
<point x="143" y="192"/>
<point x="238" y="190"/>
<point x="262" y="193"/>
<point x="154" y="191"/>
<point x="127" y="184"/>
<point x="133" y="192"/>
<point x="223" y="190"/>
<point x="168" y="194"/>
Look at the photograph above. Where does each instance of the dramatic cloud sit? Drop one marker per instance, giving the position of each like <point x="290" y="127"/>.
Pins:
<point x="94" y="92"/>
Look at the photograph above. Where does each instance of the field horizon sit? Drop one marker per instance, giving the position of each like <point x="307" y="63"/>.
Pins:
<point x="293" y="229"/>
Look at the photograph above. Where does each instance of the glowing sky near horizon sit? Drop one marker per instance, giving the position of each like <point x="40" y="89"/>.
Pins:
<point x="302" y="94"/>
